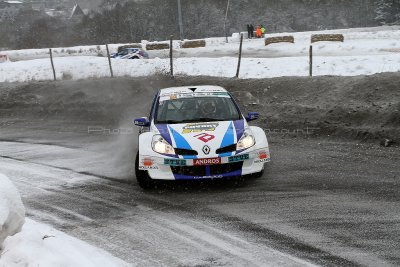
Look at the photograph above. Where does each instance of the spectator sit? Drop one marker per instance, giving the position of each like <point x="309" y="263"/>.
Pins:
<point x="258" y="32"/>
<point x="248" y="31"/>
<point x="263" y="30"/>
<point x="251" y="31"/>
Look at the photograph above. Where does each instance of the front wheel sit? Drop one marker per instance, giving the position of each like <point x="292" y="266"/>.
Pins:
<point x="143" y="177"/>
<point x="257" y="174"/>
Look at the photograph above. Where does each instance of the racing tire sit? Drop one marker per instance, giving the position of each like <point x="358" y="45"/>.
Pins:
<point x="142" y="177"/>
<point x="257" y="174"/>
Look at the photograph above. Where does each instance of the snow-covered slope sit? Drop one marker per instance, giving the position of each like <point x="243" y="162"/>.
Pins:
<point x="35" y="244"/>
<point x="12" y="211"/>
<point x="41" y="245"/>
<point x="364" y="52"/>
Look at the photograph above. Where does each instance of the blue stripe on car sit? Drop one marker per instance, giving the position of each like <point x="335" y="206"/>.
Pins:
<point x="239" y="127"/>
<point x="229" y="139"/>
<point x="163" y="129"/>
<point x="181" y="142"/>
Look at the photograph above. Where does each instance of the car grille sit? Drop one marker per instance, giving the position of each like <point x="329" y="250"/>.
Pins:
<point x="185" y="152"/>
<point x="202" y="170"/>
<point x="226" y="149"/>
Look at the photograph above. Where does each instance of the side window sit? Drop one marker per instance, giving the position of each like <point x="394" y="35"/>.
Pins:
<point x="152" y="109"/>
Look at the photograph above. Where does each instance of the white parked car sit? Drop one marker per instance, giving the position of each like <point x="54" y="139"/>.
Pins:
<point x="3" y="58"/>
<point x="198" y="133"/>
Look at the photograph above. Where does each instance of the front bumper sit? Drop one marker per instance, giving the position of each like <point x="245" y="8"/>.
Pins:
<point x="169" y="168"/>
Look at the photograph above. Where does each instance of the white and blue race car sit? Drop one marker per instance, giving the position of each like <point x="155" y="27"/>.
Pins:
<point x="198" y="133"/>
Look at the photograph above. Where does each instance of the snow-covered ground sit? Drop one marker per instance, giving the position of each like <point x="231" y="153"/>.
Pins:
<point x="12" y="211"/>
<point x="364" y="52"/>
<point x="38" y="244"/>
<point x="41" y="245"/>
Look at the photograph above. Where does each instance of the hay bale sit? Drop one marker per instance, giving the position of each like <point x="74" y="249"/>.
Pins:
<point x="157" y="46"/>
<point x="279" y="39"/>
<point x="136" y="45"/>
<point x="193" y="44"/>
<point x="327" y="38"/>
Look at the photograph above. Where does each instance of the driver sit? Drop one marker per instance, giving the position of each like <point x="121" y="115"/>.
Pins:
<point x="208" y="108"/>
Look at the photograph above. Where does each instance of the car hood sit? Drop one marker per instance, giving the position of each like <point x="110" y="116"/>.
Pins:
<point x="199" y="136"/>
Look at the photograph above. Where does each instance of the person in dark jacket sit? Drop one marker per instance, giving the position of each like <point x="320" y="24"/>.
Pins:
<point x="251" y="31"/>
<point x="248" y="31"/>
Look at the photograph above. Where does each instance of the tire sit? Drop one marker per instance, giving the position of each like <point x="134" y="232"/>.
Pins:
<point x="142" y="177"/>
<point x="257" y="174"/>
<point x="135" y="57"/>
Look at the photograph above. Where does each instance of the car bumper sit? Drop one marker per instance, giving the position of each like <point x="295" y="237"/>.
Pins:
<point x="170" y="168"/>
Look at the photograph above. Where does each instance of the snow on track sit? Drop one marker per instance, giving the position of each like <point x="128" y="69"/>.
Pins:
<point x="364" y="52"/>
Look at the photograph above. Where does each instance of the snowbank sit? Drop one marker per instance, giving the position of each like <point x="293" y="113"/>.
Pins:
<point x="41" y="245"/>
<point x="12" y="211"/>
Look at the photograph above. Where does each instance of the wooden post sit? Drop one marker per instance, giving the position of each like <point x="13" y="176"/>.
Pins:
<point x="171" y="56"/>
<point x="311" y="61"/>
<point x="52" y="64"/>
<point x="109" y="61"/>
<point x="240" y="55"/>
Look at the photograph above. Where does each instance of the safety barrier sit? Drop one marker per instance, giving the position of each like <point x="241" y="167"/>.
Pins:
<point x="157" y="46"/>
<point x="279" y="39"/>
<point x="193" y="44"/>
<point x="327" y="37"/>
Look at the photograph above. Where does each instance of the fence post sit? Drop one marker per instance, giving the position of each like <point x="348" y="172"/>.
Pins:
<point x="311" y="61"/>
<point x="240" y="55"/>
<point x="109" y="61"/>
<point x="171" y="56"/>
<point x="52" y="64"/>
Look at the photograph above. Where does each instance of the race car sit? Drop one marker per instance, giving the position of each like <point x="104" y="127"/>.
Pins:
<point x="131" y="53"/>
<point x="198" y="132"/>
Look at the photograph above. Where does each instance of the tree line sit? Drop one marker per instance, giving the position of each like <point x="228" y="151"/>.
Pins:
<point x="133" y="21"/>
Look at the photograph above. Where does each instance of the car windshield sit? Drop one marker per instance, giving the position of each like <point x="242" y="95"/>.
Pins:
<point x="196" y="109"/>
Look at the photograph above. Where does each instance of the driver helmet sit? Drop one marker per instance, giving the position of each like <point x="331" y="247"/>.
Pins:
<point x="208" y="107"/>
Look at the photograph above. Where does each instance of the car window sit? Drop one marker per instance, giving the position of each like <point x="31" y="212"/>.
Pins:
<point x="197" y="109"/>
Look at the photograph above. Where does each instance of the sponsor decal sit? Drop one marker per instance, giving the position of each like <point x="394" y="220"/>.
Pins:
<point x="205" y="137"/>
<point x="210" y="161"/>
<point x="238" y="158"/>
<point x="262" y="157"/>
<point x="220" y="93"/>
<point x="200" y="127"/>
<point x="175" y="162"/>
<point x="148" y="164"/>
<point x="208" y="177"/>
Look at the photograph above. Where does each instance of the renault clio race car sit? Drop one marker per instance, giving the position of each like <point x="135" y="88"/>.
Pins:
<point x="198" y="133"/>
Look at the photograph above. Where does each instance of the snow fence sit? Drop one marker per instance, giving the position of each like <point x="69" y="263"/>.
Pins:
<point x="12" y="211"/>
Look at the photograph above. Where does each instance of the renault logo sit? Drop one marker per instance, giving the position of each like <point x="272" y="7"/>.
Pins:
<point x="206" y="150"/>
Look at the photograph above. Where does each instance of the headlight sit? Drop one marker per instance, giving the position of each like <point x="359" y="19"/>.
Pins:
<point x="246" y="141"/>
<point x="161" y="146"/>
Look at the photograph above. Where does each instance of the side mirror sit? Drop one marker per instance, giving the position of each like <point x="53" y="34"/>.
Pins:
<point x="251" y="116"/>
<point x="144" y="122"/>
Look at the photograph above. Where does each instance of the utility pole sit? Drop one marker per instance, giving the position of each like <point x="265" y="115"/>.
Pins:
<point x="226" y="18"/>
<point x="180" y="20"/>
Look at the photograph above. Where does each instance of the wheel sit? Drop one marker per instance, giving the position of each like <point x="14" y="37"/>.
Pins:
<point x="135" y="57"/>
<point x="143" y="177"/>
<point x="257" y="174"/>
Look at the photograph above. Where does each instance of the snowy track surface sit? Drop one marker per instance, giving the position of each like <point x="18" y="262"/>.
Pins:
<point x="365" y="51"/>
<point x="322" y="201"/>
